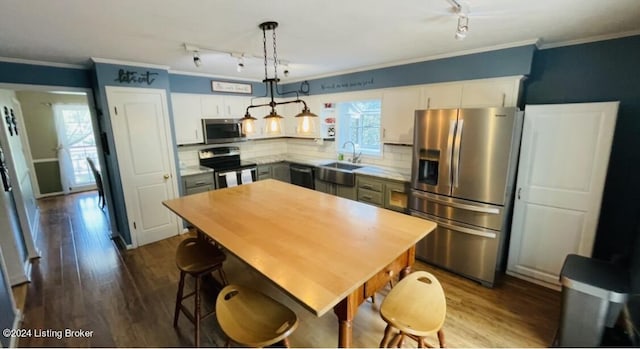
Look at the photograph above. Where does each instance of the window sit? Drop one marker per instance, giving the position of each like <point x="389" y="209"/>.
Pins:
<point x="76" y="143"/>
<point x="359" y="122"/>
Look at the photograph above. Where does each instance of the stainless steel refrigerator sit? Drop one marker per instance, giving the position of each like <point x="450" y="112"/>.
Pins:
<point x="463" y="173"/>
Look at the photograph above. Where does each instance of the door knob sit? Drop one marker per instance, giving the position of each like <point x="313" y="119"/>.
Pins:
<point x="166" y="176"/>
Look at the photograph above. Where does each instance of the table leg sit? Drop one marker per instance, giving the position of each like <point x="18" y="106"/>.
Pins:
<point x="346" y="311"/>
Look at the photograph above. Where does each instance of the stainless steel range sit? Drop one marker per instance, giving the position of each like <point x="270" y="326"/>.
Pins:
<point x="464" y="164"/>
<point x="228" y="169"/>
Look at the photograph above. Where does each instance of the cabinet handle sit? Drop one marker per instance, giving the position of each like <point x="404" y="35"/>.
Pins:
<point x="504" y="97"/>
<point x="200" y="183"/>
<point x="428" y="102"/>
<point x="229" y="110"/>
<point x="519" y="191"/>
<point x="365" y="186"/>
<point x="384" y="133"/>
<point x="217" y="109"/>
<point x="367" y="197"/>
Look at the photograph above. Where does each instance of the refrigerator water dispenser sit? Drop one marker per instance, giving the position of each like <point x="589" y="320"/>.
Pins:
<point x="428" y="166"/>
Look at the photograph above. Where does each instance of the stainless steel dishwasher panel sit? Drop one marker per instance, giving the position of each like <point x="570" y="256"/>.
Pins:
<point x="302" y="175"/>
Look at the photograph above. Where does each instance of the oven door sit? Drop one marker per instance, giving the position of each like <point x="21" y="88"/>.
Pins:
<point x="232" y="178"/>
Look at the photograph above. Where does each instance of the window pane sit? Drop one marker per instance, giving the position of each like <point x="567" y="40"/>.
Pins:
<point x="359" y="122"/>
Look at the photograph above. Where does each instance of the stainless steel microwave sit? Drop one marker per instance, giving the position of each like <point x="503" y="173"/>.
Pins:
<point x="222" y="131"/>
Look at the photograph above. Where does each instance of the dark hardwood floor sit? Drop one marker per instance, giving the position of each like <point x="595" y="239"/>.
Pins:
<point x="126" y="297"/>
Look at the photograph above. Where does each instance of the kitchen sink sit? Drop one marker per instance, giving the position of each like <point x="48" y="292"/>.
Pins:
<point x="342" y="166"/>
<point x="338" y="173"/>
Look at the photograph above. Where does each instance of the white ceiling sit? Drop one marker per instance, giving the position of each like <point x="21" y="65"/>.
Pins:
<point x="317" y="37"/>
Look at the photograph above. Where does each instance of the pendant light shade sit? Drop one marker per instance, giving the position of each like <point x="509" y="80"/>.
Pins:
<point x="273" y="121"/>
<point x="306" y="122"/>
<point x="248" y="124"/>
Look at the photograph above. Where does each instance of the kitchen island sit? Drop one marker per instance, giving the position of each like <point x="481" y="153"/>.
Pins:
<point x="324" y="251"/>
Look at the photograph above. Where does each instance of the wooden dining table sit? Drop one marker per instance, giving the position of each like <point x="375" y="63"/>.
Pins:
<point x="324" y="251"/>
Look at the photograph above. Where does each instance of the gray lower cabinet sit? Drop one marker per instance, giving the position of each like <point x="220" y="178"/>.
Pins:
<point x="197" y="183"/>
<point x="280" y="171"/>
<point x="381" y="192"/>
<point x="276" y="170"/>
<point x="264" y="172"/>
<point x="342" y="191"/>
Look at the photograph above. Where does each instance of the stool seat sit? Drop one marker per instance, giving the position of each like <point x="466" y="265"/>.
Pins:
<point x="253" y="319"/>
<point x="417" y="307"/>
<point x="195" y="256"/>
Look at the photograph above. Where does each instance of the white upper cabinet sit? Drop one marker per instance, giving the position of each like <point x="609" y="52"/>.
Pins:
<point x="500" y="92"/>
<point x="187" y="116"/>
<point x="236" y="106"/>
<point x="398" y="109"/>
<point x="441" y="96"/>
<point x="224" y="107"/>
<point x="212" y="106"/>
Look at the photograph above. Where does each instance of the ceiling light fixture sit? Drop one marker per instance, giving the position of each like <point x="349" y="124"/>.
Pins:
<point x="240" y="66"/>
<point x="273" y="119"/>
<point x="463" y="27"/>
<point x="462" y="10"/>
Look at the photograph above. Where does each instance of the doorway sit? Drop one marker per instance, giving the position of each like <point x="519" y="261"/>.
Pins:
<point x="76" y="144"/>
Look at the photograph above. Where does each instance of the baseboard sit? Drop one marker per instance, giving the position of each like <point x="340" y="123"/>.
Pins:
<point x="556" y="287"/>
<point x="120" y="242"/>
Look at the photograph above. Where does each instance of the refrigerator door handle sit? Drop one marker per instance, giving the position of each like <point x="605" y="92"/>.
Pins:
<point x="442" y="223"/>
<point x="467" y="207"/>
<point x="456" y="154"/>
<point x="450" y="138"/>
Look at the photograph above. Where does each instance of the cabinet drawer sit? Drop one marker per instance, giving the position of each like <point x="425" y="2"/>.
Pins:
<point x="199" y="189"/>
<point x="370" y="196"/>
<point x="198" y="180"/>
<point x="264" y="172"/>
<point x="382" y="278"/>
<point x="369" y="184"/>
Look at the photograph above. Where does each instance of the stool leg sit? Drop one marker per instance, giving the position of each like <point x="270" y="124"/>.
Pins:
<point x="387" y="336"/>
<point x="178" y="299"/>
<point x="421" y="343"/>
<point x="286" y="342"/>
<point x="197" y="311"/>
<point x="441" y="338"/>
<point x="397" y="340"/>
<point x="223" y="277"/>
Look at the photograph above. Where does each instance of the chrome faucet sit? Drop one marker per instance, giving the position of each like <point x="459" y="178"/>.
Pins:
<point x="355" y="158"/>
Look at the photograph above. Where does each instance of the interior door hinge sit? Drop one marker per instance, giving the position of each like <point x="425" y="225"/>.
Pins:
<point x="134" y="225"/>
<point x="115" y="109"/>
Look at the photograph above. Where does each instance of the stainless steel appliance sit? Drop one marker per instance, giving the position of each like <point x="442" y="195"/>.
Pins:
<point x="463" y="171"/>
<point x="228" y="169"/>
<point x="302" y="175"/>
<point x="222" y="131"/>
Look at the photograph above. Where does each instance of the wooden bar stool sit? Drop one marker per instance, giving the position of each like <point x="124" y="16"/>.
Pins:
<point x="197" y="258"/>
<point x="415" y="308"/>
<point x="253" y="319"/>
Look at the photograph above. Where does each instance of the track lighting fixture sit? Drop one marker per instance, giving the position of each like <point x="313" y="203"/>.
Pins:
<point x="240" y="66"/>
<point x="196" y="59"/>
<point x="463" y="27"/>
<point x="461" y="8"/>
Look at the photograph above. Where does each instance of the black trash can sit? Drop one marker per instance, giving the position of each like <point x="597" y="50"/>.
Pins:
<point x="593" y="294"/>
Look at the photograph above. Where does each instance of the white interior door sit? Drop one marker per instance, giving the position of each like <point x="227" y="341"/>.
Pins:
<point x="140" y="121"/>
<point x="563" y="164"/>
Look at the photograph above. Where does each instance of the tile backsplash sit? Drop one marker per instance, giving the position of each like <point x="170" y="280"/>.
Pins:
<point x="395" y="156"/>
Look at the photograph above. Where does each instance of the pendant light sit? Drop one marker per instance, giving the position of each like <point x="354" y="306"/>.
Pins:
<point x="273" y="119"/>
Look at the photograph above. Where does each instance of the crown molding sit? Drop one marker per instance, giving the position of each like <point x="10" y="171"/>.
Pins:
<point x="204" y="75"/>
<point x="135" y="64"/>
<point x="43" y="63"/>
<point x="589" y="40"/>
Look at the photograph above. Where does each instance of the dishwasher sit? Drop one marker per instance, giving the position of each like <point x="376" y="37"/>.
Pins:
<point x="302" y="175"/>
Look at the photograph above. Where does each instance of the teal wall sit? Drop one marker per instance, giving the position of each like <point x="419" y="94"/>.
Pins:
<point x="597" y="72"/>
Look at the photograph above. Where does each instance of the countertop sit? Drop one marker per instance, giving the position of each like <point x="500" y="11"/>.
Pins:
<point x="396" y="174"/>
